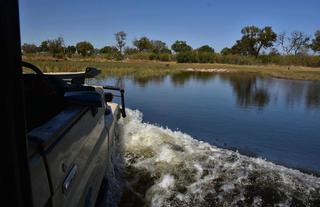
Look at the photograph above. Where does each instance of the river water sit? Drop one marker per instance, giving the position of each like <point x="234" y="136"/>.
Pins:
<point x="206" y="139"/>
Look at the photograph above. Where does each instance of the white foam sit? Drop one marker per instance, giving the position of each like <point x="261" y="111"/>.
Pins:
<point x="167" y="181"/>
<point x="183" y="171"/>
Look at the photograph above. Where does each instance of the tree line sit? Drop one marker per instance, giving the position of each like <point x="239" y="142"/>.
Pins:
<point x="256" y="45"/>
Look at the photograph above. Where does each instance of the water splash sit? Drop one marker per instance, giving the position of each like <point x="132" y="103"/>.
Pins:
<point x="161" y="167"/>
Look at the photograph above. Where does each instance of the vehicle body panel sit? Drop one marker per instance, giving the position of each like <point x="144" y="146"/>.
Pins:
<point x="70" y="154"/>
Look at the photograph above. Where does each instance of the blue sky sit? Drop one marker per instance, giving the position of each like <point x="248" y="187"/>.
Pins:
<point x="214" y="22"/>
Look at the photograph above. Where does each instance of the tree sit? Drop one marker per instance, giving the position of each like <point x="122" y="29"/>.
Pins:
<point x="71" y="49"/>
<point x="187" y="57"/>
<point x="247" y="44"/>
<point x="205" y="49"/>
<point x="85" y="48"/>
<point x="159" y="47"/>
<point x="164" y="56"/>
<point x="166" y="51"/>
<point x="226" y="51"/>
<point x="109" y="49"/>
<point x="283" y="41"/>
<point x="266" y="38"/>
<point x="205" y="54"/>
<point x="29" y="48"/>
<point x="143" y="44"/>
<point x="120" y="38"/>
<point x="274" y="52"/>
<point x="253" y="40"/>
<point x="95" y="51"/>
<point x="130" y="51"/>
<point x="56" y="46"/>
<point x="295" y="44"/>
<point x="299" y="42"/>
<point x="315" y="45"/>
<point x="181" y="46"/>
<point x="205" y="57"/>
<point x="44" y="46"/>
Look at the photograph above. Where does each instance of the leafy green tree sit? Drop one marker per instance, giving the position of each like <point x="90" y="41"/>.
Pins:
<point x="71" y="49"/>
<point x="130" y="51"/>
<point x="153" y="56"/>
<point x="315" y="45"/>
<point x="253" y="40"/>
<point x="266" y="39"/>
<point x="44" y="46"/>
<point x="29" y="48"/>
<point x="159" y="47"/>
<point x="85" y="48"/>
<point x="241" y="47"/>
<point x="166" y="51"/>
<point x="109" y="49"/>
<point x="143" y="44"/>
<point x="205" y="49"/>
<point x="226" y="51"/>
<point x="120" y="39"/>
<point x="246" y="45"/>
<point x="187" y="57"/>
<point x="205" y="54"/>
<point x="164" y="56"/>
<point x="181" y="46"/>
<point x="56" y="47"/>
<point x="205" y="57"/>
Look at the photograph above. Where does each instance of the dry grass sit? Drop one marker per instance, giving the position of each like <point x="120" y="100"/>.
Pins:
<point x="155" y="68"/>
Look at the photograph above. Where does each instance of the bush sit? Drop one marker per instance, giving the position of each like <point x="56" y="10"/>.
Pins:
<point x="111" y="56"/>
<point x="85" y="48"/>
<point x="59" y="55"/>
<point x="140" y="56"/>
<point x="298" y="60"/>
<point x="130" y="51"/>
<point x="235" y="59"/>
<point x="164" y="57"/>
<point x="153" y="56"/>
<point x="205" y="57"/>
<point x="187" y="57"/>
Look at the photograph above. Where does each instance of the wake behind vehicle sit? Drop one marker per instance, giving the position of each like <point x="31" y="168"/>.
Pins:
<point x="71" y="127"/>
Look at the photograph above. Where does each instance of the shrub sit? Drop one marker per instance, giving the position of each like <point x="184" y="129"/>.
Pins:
<point x="187" y="57"/>
<point x="153" y="56"/>
<point x="205" y="57"/>
<point x="130" y="51"/>
<point x="85" y="48"/>
<point x="140" y="56"/>
<point x="164" y="57"/>
<point x="59" y="55"/>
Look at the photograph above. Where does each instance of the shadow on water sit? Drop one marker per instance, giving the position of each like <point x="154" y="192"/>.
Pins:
<point x="180" y="79"/>
<point x="313" y="95"/>
<point x="144" y="81"/>
<point x="247" y="90"/>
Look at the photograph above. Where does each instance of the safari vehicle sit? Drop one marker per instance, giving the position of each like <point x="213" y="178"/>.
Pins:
<point x="57" y="133"/>
<point x="70" y="131"/>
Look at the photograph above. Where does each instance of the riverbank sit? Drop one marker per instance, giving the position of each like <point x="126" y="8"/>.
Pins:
<point x="155" y="68"/>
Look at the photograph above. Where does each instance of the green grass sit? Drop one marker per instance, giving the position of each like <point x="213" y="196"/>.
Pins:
<point x="143" y="69"/>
